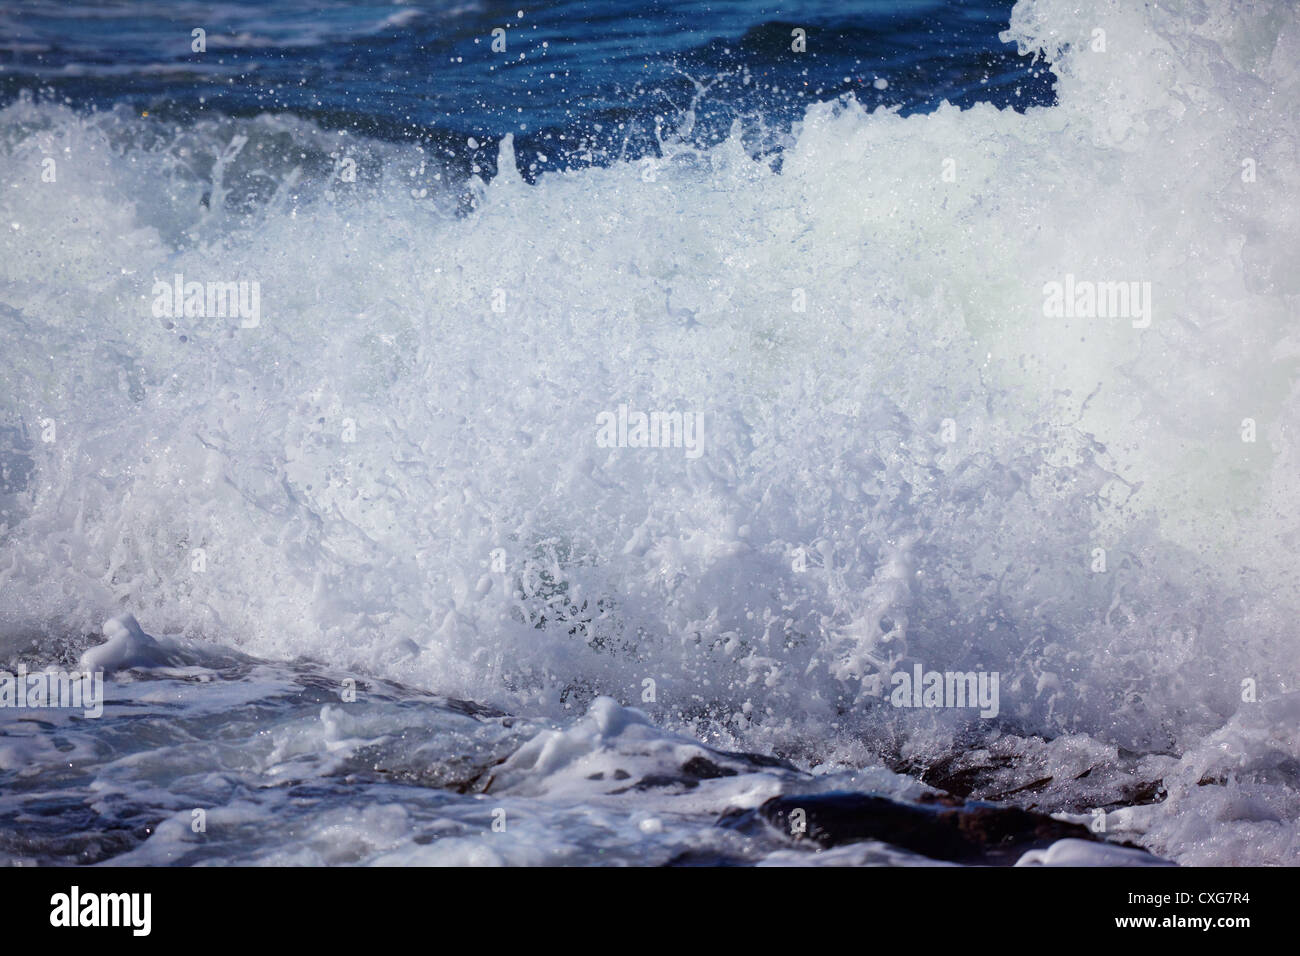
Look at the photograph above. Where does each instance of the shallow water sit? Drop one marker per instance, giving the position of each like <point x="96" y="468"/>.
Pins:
<point x="238" y="760"/>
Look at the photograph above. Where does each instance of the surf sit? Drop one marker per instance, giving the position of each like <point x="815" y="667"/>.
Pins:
<point x="918" y="465"/>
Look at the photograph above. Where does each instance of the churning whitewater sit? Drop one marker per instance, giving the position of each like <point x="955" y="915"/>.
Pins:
<point x="341" y="483"/>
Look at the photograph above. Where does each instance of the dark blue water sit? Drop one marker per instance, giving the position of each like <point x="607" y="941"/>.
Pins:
<point x="578" y="82"/>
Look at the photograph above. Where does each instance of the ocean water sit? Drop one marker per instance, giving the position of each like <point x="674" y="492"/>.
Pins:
<point x="398" y="598"/>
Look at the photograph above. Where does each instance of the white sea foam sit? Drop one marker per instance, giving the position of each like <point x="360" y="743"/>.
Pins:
<point x="397" y="469"/>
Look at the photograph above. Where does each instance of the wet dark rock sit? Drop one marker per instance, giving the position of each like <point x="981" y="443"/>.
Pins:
<point x="708" y="765"/>
<point x="701" y="768"/>
<point x="997" y="778"/>
<point x="948" y="774"/>
<point x="942" y="829"/>
<point x="1142" y="794"/>
<point x="659" y="781"/>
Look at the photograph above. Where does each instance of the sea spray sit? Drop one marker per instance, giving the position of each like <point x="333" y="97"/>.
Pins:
<point x="352" y="471"/>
